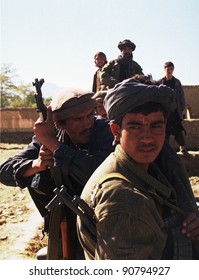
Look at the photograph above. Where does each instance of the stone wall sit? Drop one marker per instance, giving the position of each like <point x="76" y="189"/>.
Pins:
<point x="192" y="135"/>
<point x="17" y="125"/>
<point x="18" y="120"/>
<point x="192" y="100"/>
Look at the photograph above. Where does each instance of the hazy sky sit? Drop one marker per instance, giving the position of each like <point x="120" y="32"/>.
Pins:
<point x="57" y="39"/>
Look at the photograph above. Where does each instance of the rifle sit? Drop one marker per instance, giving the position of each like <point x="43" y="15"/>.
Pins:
<point x="57" y="220"/>
<point x="41" y="108"/>
<point x="80" y="208"/>
<point x="76" y="205"/>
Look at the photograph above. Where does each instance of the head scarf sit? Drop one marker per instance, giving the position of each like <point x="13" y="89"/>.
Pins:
<point x="130" y="94"/>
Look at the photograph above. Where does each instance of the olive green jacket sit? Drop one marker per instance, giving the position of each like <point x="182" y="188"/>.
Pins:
<point x="129" y="221"/>
<point x="110" y="73"/>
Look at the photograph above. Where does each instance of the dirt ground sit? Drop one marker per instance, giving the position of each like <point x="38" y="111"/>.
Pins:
<point x="20" y="222"/>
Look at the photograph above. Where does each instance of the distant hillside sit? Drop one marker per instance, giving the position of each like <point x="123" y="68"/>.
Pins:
<point x="50" y="89"/>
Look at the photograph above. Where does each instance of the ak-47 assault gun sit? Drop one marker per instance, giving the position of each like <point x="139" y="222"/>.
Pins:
<point x="41" y="108"/>
<point x="76" y="205"/>
<point x="79" y="207"/>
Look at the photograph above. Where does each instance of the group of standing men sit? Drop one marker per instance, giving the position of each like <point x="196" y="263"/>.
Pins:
<point x="124" y="67"/>
<point x="122" y="166"/>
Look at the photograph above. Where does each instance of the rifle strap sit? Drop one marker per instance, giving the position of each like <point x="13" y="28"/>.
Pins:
<point x="157" y="197"/>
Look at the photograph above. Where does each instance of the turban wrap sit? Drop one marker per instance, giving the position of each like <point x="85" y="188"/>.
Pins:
<point x="69" y="102"/>
<point x="129" y="94"/>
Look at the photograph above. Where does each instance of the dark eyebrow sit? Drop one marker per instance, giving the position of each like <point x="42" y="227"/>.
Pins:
<point x="159" y="122"/>
<point x="134" y="123"/>
<point x="140" y="123"/>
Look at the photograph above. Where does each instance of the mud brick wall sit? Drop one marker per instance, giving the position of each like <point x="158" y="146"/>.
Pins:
<point x="16" y="125"/>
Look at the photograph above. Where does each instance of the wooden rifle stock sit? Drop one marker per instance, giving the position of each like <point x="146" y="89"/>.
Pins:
<point x="60" y="222"/>
<point x="67" y="241"/>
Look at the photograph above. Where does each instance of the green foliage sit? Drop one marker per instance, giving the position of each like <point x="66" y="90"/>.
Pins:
<point x="15" y="95"/>
<point x="8" y="88"/>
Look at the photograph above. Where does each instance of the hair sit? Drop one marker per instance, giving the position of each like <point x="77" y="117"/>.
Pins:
<point x="100" y="54"/>
<point x="168" y="64"/>
<point x="148" y="108"/>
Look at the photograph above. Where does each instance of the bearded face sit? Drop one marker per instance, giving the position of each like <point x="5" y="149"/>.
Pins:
<point x="127" y="52"/>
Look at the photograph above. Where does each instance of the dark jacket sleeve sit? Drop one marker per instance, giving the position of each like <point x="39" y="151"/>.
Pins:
<point x="137" y="69"/>
<point x="180" y="98"/>
<point x="12" y="169"/>
<point x="94" y="86"/>
<point x="81" y="163"/>
<point x="176" y="174"/>
<point x="76" y="164"/>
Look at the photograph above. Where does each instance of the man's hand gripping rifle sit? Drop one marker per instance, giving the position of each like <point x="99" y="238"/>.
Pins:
<point x="62" y="197"/>
<point x="56" y="213"/>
